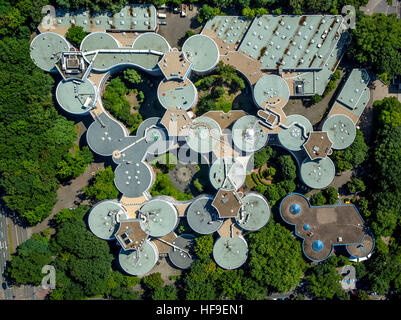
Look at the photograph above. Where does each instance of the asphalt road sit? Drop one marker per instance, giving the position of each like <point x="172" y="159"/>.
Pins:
<point x="381" y="6"/>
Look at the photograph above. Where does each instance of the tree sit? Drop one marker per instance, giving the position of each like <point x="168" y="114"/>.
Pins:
<point x="132" y="76"/>
<point x="153" y="281"/>
<point x="102" y="187"/>
<point x="165" y="293"/>
<point x="262" y="156"/>
<point x="207" y="12"/>
<point x="68" y="215"/>
<point x="73" y="166"/>
<point x="75" y="35"/>
<point x="356" y="185"/>
<point x="331" y="195"/>
<point x="204" y="246"/>
<point x="318" y="199"/>
<point x="276" y="259"/>
<point x="198" y="185"/>
<point x="288" y="169"/>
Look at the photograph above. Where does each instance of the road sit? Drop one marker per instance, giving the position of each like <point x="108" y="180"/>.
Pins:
<point x="381" y="6"/>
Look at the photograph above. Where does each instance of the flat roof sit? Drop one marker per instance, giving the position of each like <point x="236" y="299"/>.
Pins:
<point x="160" y="217"/>
<point x="271" y="89"/>
<point x="341" y="130"/>
<point x="177" y="94"/>
<point x="202" y="217"/>
<point x="318" y="145"/>
<point x="182" y="259"/>
<point x="227" y="173"/>
<point x="141" y="261"/>
<point x="230" y="253"/>
<point x="322" y="227"/>
<point x="293" y="42"/>
<point x="317" y="174"/>
<point x="202" y="51"/>
<point x="151" y="41"/>
<point x="98" y="40"/>
<point x="76" y="97"/>
<point x="174" y="65"/>
<point x="227" y="203"/>
<point x="293" y="138"/>
<point x="203" y="134"/>
<point x="248" y="135"/>
<point x="133" y="179"/>
<point x="355" y="93"/>
<point x="130" y="235"/>
<point x="46" y="49"/>
<point x="254" y="213"/>
<point x="135" y="17"/>
<point x="104" y="219"/>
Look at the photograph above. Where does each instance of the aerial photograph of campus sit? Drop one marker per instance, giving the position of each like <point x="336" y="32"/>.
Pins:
<point x="200" y="150"/>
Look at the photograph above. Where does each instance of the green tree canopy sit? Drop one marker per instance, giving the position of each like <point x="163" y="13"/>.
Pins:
<point x="103" y="187"/>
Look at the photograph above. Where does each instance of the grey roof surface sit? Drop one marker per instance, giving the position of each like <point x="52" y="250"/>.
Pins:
<point x="180" y="258"/>
<point x="202" y="217"/>
<point x="341" y="130"/>
<point x="295" y="42"/>
<point x="141" y="261"/>
<point x="161" y="217"/>
<point x="104" y="217"/>
<point x="227" y="173"/>
<point x="128" y="18"/>
<point x="355" y="94"/>
<point x="133" y="179"/>
<point x="270" y="87"/>
<point x="293" y="137"/>
<point x="46" y="48"/>
<point x="248" y="135"/>
<point x="255" y="212"/>
<point x="230" y="253"/>
<point x="177" y="94"/>
<point x="318" y="174"/>
<point x="203" y="134"/>
<point x="230" y="29"/>
<point x="97" y="41"/>
<point x="72" y="96"/>
<point x="202" y="51"/>
<point x="151" y="41"/>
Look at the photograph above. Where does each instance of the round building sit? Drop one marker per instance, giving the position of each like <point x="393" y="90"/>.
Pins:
<point x="76" y="97"/>
<point x="230" y="253"/>
<point x="177" y="94"/>
<point x="202" y="217"/>
<point x="202" y="52"/>
<point x="139" y="261"/>
<point x="271" y="90"/>
<point x="180" y="255"/>
<point x="317" y="174"/>
<point x="341" y="131"/>
<point x="295" y="135"/>
<point x="203" y="134"/>
<point x="227" y="173"/>
<point x="248" y="135"/>
<point x="255" y="212"/>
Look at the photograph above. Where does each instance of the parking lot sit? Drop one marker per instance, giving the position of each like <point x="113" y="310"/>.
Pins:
<point x="176" y="26"/>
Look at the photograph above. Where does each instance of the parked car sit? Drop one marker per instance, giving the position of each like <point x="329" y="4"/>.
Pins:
<point x="176" y="10"/>
<point x="161" y="15"/>
<point x="163" y="22"/>
<point x="183" y="10"/>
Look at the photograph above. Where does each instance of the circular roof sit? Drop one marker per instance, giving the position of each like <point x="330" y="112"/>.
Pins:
<point x="295" y="208"/>
<point x="46" y="48"/>
<point x="202" y="217"/>
<point x="157" y="140"/>
<point x="141" y="261"/>
<point x="182" y="258"/>
<point x="132" y="179"/>
<point x="248" y="134"/>
<point x="104" y="219"/>
<point x="98" y="40"/>
<point x="151" y="41"/>
<point x="318" y="174"/>
<point x="161" y="217"/>
<point x="271" y="89"/>
<point x="202" y="51"/>
<point x="317" y="245"/>
<point x="177" y="94"/>
<point x="341" y="131"/>
<point x="254" y="214"/>
<point x="293" y="138"/>
<point x="227" y="167"/>
<point x="306" y="227"/>
<point x="76" y="97"/>
<point x="230" y="253"/>
<point x="203" y="134"/>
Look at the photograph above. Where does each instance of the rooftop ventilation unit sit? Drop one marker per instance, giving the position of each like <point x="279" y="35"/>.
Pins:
<point x="97" y="21"/>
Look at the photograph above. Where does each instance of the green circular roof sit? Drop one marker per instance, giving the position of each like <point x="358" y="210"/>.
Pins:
<point x="75" y="96"/>
<point x="151" y="41"/>
<point x="161" y="217"/>
<point x="202" y="51"/>
<point x="230" y="253"/>
<point x="255" y="212"/>
<point x="202" y="217"/>
<point x="46" y="48"/>
<point x="270" y="87"/>
<point x="141" y="261"/>
<point x="227" y="167"/>
<point x="104" y="219"/>
<point x="318" y="174"/>
<point x="341" y="131"/>
<point x="248" y="134"/>
<point x="177" y="94"/>
<point x="293" y="137"/>
<point x="97" y="41"/>
<point x="203" y="134"/>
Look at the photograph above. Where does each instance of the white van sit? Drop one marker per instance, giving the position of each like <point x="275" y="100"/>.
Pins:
<point x="161" y="15"/>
